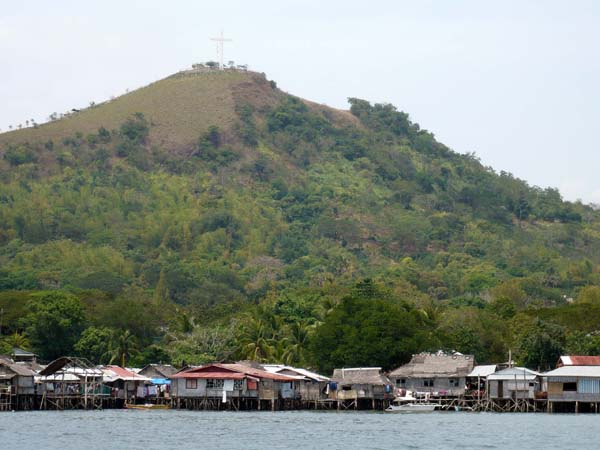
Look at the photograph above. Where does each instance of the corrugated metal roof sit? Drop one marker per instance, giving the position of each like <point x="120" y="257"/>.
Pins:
<point x="213" y="375"/>
<point x="578" y="360"/>
<point x="511" y="373"/>
<point x="212" y="369"/>
<point x="77" y="366"/>
<point x="299" y="373"/>
<point x="59" y="377"/>
<point x="20" y="352"/>
<point x="574" y="371"/>
<point x="113" y="373"/>
<point x="483" y="371"/>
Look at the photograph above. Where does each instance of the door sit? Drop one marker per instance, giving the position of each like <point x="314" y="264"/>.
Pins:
<point x="500" y="389"/>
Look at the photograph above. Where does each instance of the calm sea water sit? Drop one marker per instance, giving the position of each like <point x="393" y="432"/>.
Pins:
<point x="149" y="430"/>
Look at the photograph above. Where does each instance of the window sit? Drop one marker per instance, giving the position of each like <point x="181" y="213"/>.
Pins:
<point x="428" y="382"/>
<point x="237" y="385"/>
<point x="400" y="381"/>
<point x="453" y="382"/>
<point x="191" y="383"/>
<point x="571" y="387"/>
<point x="211" y="383"/>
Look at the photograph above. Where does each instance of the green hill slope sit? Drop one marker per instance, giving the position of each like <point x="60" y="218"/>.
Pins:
<point x="213" y="207"/>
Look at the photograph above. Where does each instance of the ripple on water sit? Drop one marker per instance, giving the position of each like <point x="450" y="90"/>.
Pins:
<point x="150" y="430"/>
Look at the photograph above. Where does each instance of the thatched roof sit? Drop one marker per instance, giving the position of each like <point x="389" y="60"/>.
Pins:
<point x="360" y="375"/>
<point x="436" y="365"/>
<point x="163" y="370"/>
<point x="19" y="369"/>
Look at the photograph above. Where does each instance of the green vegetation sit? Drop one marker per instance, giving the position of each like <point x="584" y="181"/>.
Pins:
<point x="213" y="217"/>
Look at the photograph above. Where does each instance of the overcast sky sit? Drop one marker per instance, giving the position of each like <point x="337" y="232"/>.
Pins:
<point x="516" y="82"/>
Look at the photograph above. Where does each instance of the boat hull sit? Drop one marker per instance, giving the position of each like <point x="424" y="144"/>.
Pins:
<point x="146" y="406"/>
<point x="412" y="408"/>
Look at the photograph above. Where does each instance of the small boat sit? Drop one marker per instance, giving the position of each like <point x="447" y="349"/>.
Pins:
<point x="412" y="408"/>
<point x="409" y="404"/>
<point x="148" y="406"/>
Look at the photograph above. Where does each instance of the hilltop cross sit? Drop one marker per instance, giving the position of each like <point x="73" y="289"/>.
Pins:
<point x="220" y="40"/>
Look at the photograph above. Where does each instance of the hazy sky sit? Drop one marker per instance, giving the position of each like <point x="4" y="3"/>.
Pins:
<point x="517" y="82"/>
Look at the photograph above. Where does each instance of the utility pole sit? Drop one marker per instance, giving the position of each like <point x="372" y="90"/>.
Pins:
<point x="220" y="40"/>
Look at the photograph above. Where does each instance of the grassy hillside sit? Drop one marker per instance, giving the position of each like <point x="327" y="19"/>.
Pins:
<point x="213" y="216"/>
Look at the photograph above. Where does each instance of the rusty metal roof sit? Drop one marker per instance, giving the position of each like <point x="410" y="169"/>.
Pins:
<point x="218" y="370"/>
<point x="579" y="361"/>
<point x="215" y="375"/>
<point x="113" y="373"/>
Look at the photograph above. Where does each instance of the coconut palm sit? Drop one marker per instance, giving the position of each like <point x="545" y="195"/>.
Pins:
<point x="255" y="340"/>
<point x="296" y="342"/>
<point x="121" y="347"/>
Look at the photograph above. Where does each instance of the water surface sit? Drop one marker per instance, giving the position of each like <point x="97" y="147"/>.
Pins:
<point x="150" y="430"/>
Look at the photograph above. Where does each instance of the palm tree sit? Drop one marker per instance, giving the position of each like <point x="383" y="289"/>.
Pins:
<point x="14" y="340"/>
<point x="255" y="340"/>
<point x="296" y="342"/>
<point x="121" y="347"/>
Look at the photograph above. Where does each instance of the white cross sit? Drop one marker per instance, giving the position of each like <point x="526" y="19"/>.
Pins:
<point x="220" y="41"/>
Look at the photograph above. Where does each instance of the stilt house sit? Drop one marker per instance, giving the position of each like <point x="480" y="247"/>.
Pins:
<point x="438" y="374"/>
<point x="574" y="384"/>
<point x="310" y="386"/>
<point x="360" y="385"/>
<point x="126" y="384"/>
<point x="237" y="383"/>
<point x="70" y="382"/>
<point x="18" y="378"/>
<point x="514" y="383"/>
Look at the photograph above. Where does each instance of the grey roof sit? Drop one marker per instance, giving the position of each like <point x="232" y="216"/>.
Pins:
<point x="483" y="371"/>
<point x="360" y="375"/>
<point x="434" y="365"/>
<point x="20" y="370"/>
<point x="511" y="373"/>
<point x="574" y="371"/>
<point x="20" y="352"/>
<point x="294" y="371"/>
<point x="166" y="370"/>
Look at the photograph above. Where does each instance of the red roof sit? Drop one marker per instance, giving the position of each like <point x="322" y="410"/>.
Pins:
<point x="120" y="372"/>
<point x="231" y="372"/>
<point x="579" y="361"/>
<point x="214" y="375"/>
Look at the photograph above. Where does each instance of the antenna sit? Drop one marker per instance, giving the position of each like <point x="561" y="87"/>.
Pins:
<point x="220" y="40"/>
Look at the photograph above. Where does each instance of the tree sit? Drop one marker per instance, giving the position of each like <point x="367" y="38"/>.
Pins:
<point x="370" y="328"/>
<point x="541" y="345"/>
<point x="8" y="343"/>
<point x="94" y="343"/>
<point x="54" y="323"/>
<point x="255" y="340"/>
<point x="296" y="342"/>
<point x="122" y="346"/>
<point x="589" y="294"/>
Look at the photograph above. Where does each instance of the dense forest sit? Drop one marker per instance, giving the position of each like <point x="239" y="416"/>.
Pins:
<point x="283" y="231"/>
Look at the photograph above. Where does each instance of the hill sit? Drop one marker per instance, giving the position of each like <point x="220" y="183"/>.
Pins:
<point x="211" y="215"/>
